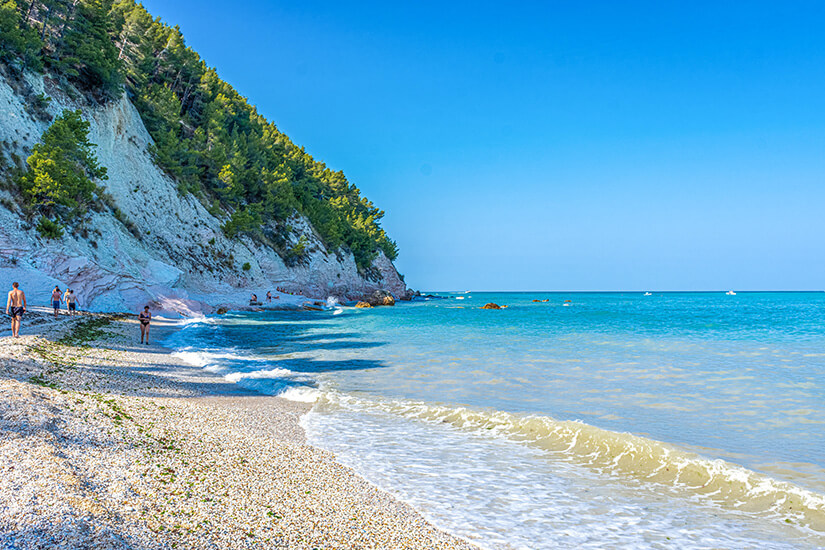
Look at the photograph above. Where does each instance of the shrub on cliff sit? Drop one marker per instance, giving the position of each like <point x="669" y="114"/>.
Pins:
<point x="58" y="182"/>
<point x="49" y="229"/>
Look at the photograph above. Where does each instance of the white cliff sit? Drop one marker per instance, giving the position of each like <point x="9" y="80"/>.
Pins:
<point x="176" y="255"/>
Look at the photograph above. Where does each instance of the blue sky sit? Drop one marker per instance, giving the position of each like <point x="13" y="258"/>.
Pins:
<point x="554" y="146"/>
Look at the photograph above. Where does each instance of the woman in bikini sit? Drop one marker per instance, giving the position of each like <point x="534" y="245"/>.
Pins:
<point x="145" y="317"/>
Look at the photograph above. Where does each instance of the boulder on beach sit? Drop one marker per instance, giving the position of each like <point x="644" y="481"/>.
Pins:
<point x="222" y="310"/>
<point x="362" y="304"/>
<point x="491" y="305"/>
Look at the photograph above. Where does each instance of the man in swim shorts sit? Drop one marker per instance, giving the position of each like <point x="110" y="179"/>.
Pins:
<point x="71" y="301"/>
<point x="56" y="301"/>
<point x="17" y="304"/>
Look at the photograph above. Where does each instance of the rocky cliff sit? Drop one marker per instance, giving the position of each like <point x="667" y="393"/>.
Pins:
<point x="164" y="247"/>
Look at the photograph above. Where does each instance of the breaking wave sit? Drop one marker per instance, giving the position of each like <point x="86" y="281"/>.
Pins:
<point x="622" y="455"/>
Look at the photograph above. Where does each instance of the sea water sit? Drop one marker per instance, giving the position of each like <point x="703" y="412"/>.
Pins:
<point x="592" y="420"/>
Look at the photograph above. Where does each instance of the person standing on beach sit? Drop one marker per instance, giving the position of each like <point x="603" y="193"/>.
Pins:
<point x="71" y="301"/>
<point x="269" y="296"/>
<point x="56" y="301"/>
<point x="17" y="304"/>
<point x="145" y="318"/>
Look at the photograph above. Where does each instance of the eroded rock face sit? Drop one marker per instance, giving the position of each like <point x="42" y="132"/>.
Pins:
<point x="174" y="254"/>
<point x="363" y="305"/>
<point x="491" y="305"/>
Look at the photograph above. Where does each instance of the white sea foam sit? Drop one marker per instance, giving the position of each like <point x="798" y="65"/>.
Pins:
<point x="302" y="394"/>
<point x="271" y="374"/>
<point x="506" y="495"/>
<point x="632" y="458"/>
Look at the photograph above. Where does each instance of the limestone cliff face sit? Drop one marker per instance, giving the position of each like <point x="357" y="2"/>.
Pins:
<point x="176" y="253"/>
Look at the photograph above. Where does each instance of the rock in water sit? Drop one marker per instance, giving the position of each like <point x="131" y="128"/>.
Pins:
<point x="380" y="298"/>
<point x="491" y="305"/>
<point x="362" y="304"/>
<point x="222" y="310"/>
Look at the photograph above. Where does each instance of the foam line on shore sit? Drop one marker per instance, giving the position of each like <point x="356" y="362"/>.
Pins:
<point x="624" y="455"/>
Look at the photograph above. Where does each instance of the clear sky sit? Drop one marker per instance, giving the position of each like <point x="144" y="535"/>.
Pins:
<point x="553" y="145"/>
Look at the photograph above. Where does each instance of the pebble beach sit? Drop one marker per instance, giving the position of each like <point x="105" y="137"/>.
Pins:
<point x="105" y="443"/>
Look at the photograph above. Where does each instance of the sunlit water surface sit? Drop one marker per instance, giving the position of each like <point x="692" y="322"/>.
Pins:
<point x="610" y="420"/>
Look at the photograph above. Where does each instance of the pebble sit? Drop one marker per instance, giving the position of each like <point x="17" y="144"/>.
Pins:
<point x="112" y="445"/>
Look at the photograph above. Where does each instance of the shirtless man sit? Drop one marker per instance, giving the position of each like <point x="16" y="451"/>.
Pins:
<point x="71" y="301"/>
<point x="17" y="303"/>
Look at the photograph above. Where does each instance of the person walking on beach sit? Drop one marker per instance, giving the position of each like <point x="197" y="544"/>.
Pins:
<point x="71" y="301"/>
<point x="145" y="318"/>
<point x="56" y="301"/>
<point x="17" y="304"/>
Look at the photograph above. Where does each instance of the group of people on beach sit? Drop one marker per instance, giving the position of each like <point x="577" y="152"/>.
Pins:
<point x="69" y="298"/>
<point x="16" y="306"/>
<point x="253" y="300"/>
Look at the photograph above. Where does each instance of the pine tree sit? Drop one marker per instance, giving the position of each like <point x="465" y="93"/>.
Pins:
<point x="61" y="168"/>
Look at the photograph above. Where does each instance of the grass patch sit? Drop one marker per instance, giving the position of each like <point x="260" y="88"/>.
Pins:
<point x="86" y="331"/>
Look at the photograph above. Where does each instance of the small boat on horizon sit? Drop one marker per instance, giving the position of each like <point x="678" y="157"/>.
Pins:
<point x="648" y="294"/>
<point x="730" y="293"/>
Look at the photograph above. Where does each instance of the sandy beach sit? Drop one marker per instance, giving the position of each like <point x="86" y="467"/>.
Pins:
<point x="105" y="443"/>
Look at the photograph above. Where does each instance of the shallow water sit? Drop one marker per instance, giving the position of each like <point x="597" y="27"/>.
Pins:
<point x="617" y="420"/>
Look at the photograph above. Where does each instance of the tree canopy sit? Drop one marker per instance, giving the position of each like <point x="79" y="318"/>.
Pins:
<point x="207" y="136"/>
<point x="62" y="166"/>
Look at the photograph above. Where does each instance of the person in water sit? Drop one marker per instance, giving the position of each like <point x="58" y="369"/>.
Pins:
<point x="145" y="317"/>
<point x="17" y="304"/>
<point x="56" y="297"/>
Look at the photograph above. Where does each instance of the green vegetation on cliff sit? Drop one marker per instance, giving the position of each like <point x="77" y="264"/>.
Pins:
<point x="207" y="136"/>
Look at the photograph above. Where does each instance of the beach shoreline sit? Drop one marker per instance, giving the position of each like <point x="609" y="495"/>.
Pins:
<point x="106" y="443"/>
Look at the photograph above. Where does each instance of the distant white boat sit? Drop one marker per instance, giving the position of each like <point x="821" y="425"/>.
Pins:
<point x="730" y="293"/>
<point x="648" y="294"/>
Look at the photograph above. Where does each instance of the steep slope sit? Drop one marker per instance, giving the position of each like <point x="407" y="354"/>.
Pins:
<point x="173" y="251"/>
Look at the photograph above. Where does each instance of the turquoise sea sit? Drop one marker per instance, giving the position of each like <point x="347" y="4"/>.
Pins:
<point x="589" y="420"/>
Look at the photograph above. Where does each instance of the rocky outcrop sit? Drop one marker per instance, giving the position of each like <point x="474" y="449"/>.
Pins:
<point x="166" y="249"/>
<point x="363" y="305"/>
<point x="380" y="297"/>
<point x="491" y="305"/>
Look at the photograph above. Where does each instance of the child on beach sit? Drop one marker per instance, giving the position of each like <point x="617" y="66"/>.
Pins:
<point x="17" y="304"/>
<point x="56" y="301"/>
<point x="145" y="317"/>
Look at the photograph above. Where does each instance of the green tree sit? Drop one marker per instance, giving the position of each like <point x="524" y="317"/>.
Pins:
<point x="59" y="182"/>
<point x="17" y="41"/>
<point x="87" y="51"/>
